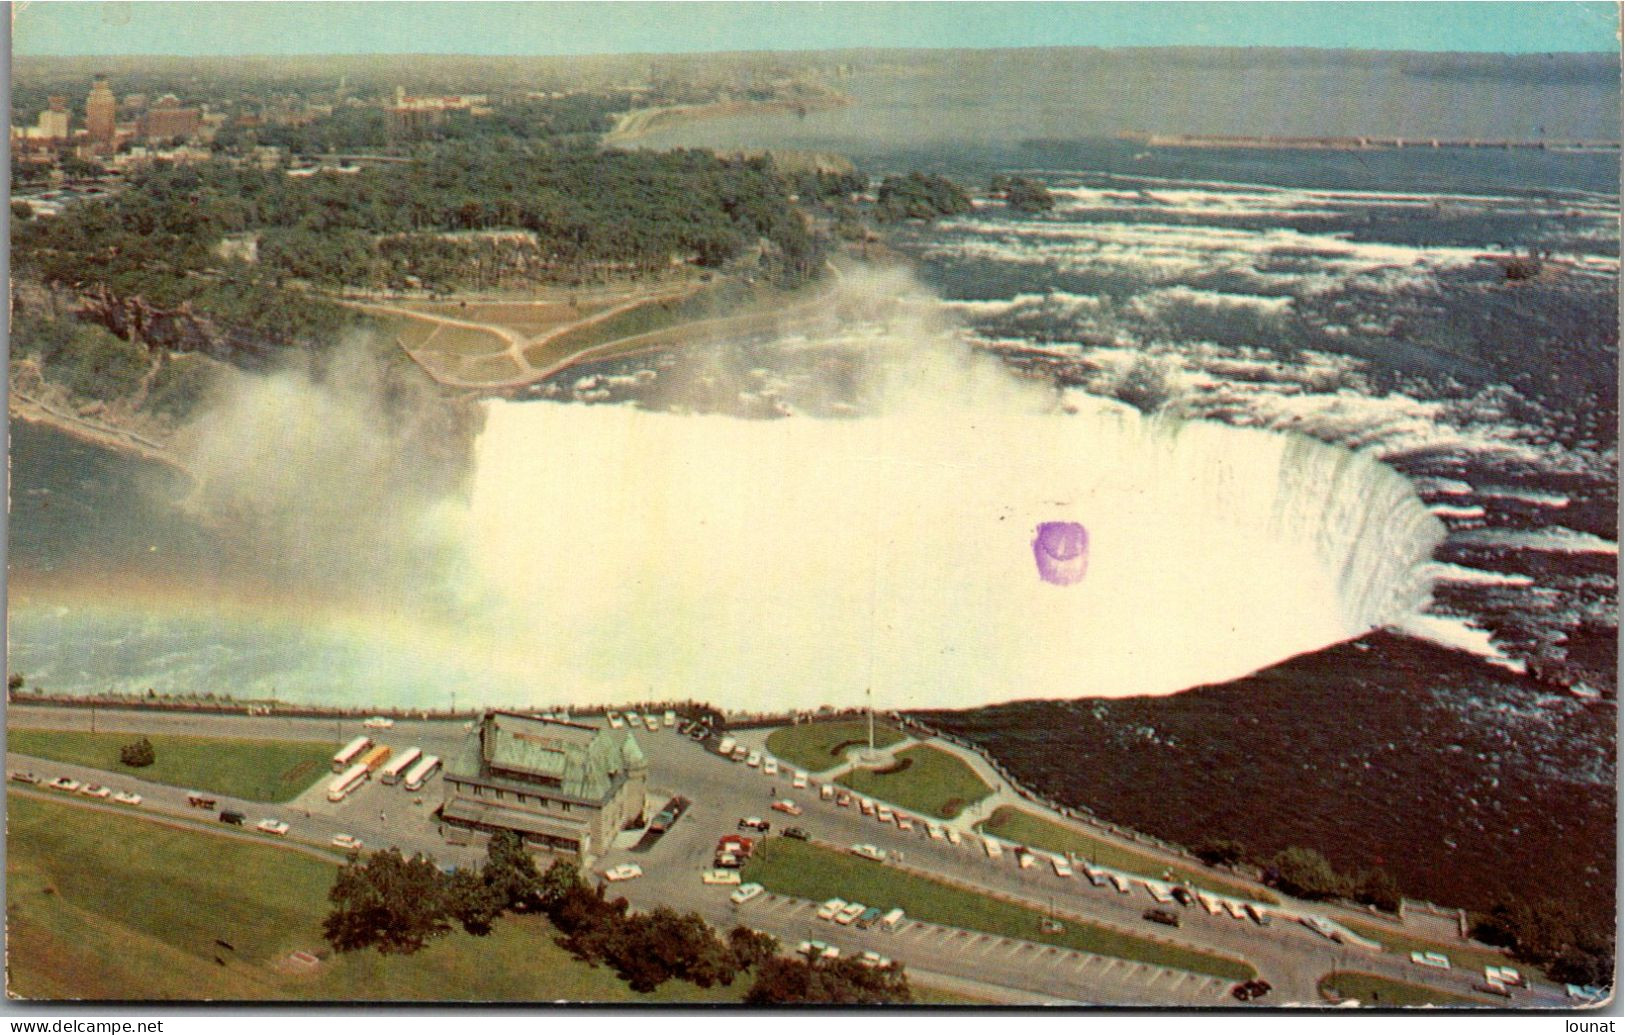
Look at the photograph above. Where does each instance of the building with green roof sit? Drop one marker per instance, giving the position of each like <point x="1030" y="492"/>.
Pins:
<point x="561" y="786"/>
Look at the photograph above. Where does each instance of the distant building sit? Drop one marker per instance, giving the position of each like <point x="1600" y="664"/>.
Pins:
<point x="167" y="119"/>
<point x="54" y="120"/>
<point x="101" y="111"/>
<point x="561" y="786"/>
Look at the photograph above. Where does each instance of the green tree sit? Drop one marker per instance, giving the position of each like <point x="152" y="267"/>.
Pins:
<point x="1218" y="851"/>
<point x="919" y="196"/>
<point x="138" y="754"/>
<point x="472" y="901"/>
<point x="1306" y="873"/>
<point x="511" y="873"/>
<point x="751" y="948"/>
<point x="782" y="981"/>
<point x="388" y="902"/>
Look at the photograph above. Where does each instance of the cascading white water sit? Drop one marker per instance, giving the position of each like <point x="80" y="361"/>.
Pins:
<point x="793" y="563"/>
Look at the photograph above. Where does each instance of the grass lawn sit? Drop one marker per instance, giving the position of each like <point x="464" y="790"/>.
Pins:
<point x="1461" y="955"/>
<point x="259" y="770"/>
<point x="817" y="746"/>
<point x="810" y="871"/>
<point x="113" y="907"/>
<point x="1025" y="828"/>
<point x="934" y="782"/>
<point x="1372" y="990"/>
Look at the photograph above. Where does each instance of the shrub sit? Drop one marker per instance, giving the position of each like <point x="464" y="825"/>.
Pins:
<point x="138" y="755"/>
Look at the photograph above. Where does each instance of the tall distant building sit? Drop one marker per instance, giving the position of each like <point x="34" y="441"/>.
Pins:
<point x="100" y="111"/>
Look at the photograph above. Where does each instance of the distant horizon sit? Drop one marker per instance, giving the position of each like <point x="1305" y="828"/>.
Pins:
<point x="468" y="55"/>
<point x="163" y="29"/>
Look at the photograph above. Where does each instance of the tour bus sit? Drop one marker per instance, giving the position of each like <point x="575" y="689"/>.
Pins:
<point x="352" y="751"/>
<point x="421" y="773"/>
<point x="375" y="758"/>
<point x="351" y="778"/>
<point x="400" y="764"/>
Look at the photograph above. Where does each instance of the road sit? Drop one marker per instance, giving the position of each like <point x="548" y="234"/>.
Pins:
<point x="1291" y="957"/>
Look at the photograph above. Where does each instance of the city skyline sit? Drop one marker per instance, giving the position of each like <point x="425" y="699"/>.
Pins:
<point x="568" y="28"/>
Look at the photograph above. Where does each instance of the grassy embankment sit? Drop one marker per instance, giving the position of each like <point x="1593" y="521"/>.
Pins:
<point x="727" y="307"/>
<point x="258" y="770"/>
<point x="1023" y="827"/>
<point x="818" y="746"/>
<point x="112" y="907"/>
<point x="814" y="872"/>
<point x="928" y="780"/>
<point x="1461" y="955"/>
<point x="1372" y="990"/>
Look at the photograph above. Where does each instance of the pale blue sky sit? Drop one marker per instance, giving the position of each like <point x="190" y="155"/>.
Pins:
<point x="606" y="28"/>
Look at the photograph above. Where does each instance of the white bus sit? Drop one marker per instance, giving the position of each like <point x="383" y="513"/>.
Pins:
<point x="400" y="764"/>
<point x="352" y="778"/>
<point x="421" y="772"/>
<point x="349" y="753"/>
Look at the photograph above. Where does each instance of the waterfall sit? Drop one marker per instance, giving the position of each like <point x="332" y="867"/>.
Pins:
<point x="793" y="563"/>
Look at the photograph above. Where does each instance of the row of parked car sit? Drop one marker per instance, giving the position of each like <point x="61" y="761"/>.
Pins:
<point x="72" y="786"/>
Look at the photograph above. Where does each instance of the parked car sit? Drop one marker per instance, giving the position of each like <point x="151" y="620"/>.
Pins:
<point x="953" y="835"/>
<point x="799" y="780"/>
<point x="852" y="911"/>
<point x="843" y="799"/>
<point x="272" y="826"/>
<point x="867" y="918"/>
<point x="63" y="783"/>
<point x="755" y="823"/>
<point x="615" y="721"/>
<point x="754" y="759"/>
<point x="904" y="823"/>
<point x="651" y="722"/>
<point x="815" y="949"/>
<point x="127" y="798"/>
<point x="1162" y="916"/>
<point x="1249" y="990"/>
<point x="728" y="861"/>
<point x="1182" y="895"/>
<point x="883" y="813"/>
<point x="720" y="875"/>
<point x="867" y="851"/>
<point x="796" y="834"/>
<point x="934" y="830"/>
<point x="233" y="817"/>
<point x="625" y="871"/>
<point x="22" y="777"/>
<point x="379" y="722"/>
<point x="741" y="754"/>
<point x="786" y="806"/>
<point x="873" y="959"/>
<point x="346" y="842"/>
<point x="95" y="790"/>
<point x="745" y="893"/>
<point x="831" y="907"/>
<point x="866" y="806"/>
<point x="770" y="767"/>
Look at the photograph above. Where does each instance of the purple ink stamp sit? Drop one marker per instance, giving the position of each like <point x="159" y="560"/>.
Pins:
<point x="1061" y="549"/>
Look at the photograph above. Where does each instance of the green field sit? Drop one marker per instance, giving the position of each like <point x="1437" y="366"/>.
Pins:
<point x="935" y="782"/>
<point x="259" y="770"/>
<point x="1023" y="827"/>
<point x="817" y="746"/>
<point x="1461" y="955"/>
<point x="809" y="871"/>
<point x="105" y="906"/>
<point x="1372" y="990"/>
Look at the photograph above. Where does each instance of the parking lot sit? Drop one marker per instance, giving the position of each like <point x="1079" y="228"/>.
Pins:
<point x="721" y="792"/>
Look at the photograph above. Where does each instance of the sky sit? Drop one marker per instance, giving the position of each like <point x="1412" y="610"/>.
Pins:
<point x="546" y="28"/>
